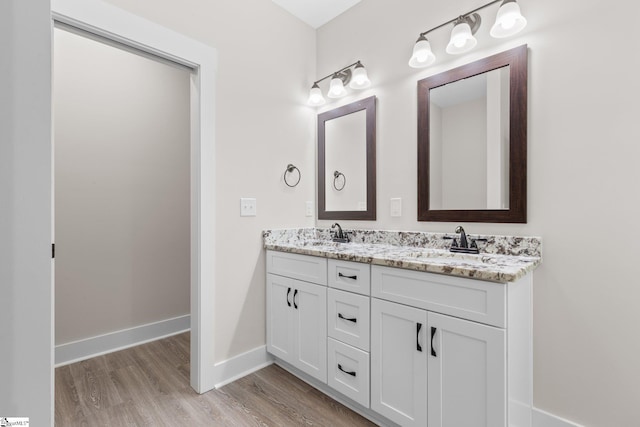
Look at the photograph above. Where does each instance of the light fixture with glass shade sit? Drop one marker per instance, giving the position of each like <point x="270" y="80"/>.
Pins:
<point x="356" y="79"/>
<point x="422" y="54"/>
<point x="336" y="87"/>
<point x="509" y="21"/>
<point x="359" y="78"/>
<point x="315" y="96"/>
<point x="462" y="39"/>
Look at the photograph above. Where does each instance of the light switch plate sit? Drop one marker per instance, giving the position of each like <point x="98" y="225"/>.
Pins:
<point x="247" y="206"/>
<point x="308" y="211"/>
<point x="396" y="207"/>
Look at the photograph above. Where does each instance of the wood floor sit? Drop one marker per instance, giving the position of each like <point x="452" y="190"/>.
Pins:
<point x="148" y="385"/>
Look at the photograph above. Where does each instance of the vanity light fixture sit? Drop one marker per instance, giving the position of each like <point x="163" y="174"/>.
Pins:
<point x="509" y="21"/>
<point x="356" y="79"/>
<point x="462" y="39"/>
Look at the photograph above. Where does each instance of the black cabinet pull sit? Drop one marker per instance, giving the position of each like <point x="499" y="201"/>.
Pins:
<point x="433" y="334"/>
<point x="288" y="292"/>
<point x="347" y="277"/>
<point x="418" y="327"/>
<point x="350" y="319"/>
<point x="295" y="293"/>
<point x="352" y="373"/>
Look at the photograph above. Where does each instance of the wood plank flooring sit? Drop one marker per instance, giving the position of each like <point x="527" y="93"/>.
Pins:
<point x="148" y="385"/>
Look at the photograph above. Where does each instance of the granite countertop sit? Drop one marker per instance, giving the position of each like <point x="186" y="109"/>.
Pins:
<point x="502" y="259"/>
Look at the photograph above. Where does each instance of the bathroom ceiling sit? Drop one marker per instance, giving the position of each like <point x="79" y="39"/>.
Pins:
<point x="316" y="12"/>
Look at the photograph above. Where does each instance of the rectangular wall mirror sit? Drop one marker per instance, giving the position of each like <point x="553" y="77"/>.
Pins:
<point x="347" y="161"/>
<point x="472" y="141"/>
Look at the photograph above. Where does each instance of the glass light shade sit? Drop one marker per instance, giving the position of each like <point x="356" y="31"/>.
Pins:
<point x="359" y="78"/>
<point x="509" y="21"/>
<point x="336" y="88"/>
<point x="461" y="39"/>
<point x="315" y="96"/>
<point x="422" y="54"/>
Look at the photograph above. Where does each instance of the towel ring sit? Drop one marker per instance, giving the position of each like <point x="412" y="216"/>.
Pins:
<point x="337" y="175"/>
<point x="290" y="169"/>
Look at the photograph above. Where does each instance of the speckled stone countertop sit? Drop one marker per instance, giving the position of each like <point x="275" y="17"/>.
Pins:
<point x="501" y="259"/>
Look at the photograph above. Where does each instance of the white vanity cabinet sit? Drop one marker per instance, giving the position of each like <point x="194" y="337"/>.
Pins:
<point x="297" y="312"/>
<point x="417" y="348"/>
<point x="432" y="366"/>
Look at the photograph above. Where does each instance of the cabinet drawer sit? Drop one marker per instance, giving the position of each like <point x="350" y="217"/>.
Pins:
<point x="349" y="371"/>
<point x="348" y="318"/>
<point x="470" y="299"/>
<point x="350" y="276"/>
<point x="303" y="267"/>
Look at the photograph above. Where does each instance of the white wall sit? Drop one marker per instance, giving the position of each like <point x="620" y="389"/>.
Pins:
<point x="26" y="335"/>
<point x="583" y="177"/>
<point x="266" y="62"/>
<point x="121" y="188"/>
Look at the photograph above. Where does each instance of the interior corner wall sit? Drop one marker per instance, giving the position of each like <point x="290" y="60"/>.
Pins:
<point x="26" y="294"/>
<point x="266" y="61"/>
<point x="122" y="205"/>
<point x="582" y="176"/>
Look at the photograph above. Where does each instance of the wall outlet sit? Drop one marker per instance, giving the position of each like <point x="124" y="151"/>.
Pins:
<point x="247" y="207"/>
<point x="396" y="207"/>
<point x="308" y="210"/>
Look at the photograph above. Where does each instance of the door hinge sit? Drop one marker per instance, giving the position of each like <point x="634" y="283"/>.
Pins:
<point x="53" y="250"/>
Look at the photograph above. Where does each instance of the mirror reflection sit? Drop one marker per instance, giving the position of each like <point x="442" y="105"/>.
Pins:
<point x="469" y="143"/>
<point x="345" y="168"/>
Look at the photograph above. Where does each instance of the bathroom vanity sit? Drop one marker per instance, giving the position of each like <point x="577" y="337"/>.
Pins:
<point x="403" y="331"/>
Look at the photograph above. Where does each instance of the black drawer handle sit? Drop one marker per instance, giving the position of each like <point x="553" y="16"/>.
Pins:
<point x="288" y="292"/>
<point x="295" y="294"/>
<point x="348" y="277"/>
<point x="418" y="327"/>
<point x="352" y="373"/>
<point x="350" y="319"/>
<point x="433" y="334"/>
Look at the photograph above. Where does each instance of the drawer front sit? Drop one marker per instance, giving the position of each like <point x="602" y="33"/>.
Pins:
<point x="350" y="276"/>
<point x="303" y="267"/>
<point x="349" y="371"/>
<point x="348" y="318"/>
<point x="470" y="299"/>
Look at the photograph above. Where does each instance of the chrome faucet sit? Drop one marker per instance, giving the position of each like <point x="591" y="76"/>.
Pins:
<point x="339" y="236"/>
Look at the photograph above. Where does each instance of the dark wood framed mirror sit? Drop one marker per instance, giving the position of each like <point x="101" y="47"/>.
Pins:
<point x="347" y="161"/>
<point x="472" y="141"/>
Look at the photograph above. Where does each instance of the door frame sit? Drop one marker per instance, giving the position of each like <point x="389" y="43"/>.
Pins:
<point x="123" y="27"/>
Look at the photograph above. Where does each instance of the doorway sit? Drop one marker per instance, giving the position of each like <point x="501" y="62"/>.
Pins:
<point x="121" y="186"/>
<point x="114" y="24"/>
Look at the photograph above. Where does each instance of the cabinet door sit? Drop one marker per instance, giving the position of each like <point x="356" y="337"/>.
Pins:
<point x="280" y="317"/>
<point x="310" y="328"/>
<point x="467" y="369"/>
<point x="399" y="349"/>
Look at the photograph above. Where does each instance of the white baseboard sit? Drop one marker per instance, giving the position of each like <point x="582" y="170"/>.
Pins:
<point x="545" y="419"/>
<point x="77" y="351"/>
<point x="241" y="365"/>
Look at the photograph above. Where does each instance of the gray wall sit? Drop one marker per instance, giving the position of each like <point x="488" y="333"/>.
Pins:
<point x="122" y="195"/>
<point x="583" y="176"/>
